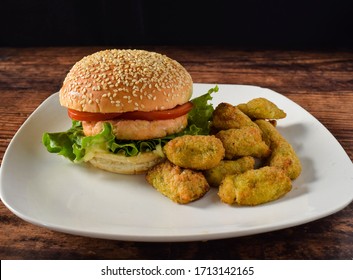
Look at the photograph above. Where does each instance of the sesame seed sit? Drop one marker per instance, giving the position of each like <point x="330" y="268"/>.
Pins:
<point x="135" y="73"/>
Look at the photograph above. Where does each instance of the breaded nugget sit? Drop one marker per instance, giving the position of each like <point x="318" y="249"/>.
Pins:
<point x="227" y="116"/>
<point x="178" y="184"/>
<point x="255" y="187"/>
<point x="215" y="175"/>
<point x="261" y="108"/>
<point x="195" y="151"/>
<point x="245" y="141"/>
<point x="283" y="155"/>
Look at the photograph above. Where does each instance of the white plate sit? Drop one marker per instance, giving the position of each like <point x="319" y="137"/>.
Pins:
<point x="50" y="191"/>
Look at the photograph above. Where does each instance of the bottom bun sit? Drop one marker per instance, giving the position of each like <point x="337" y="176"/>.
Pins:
<point x="126" y="165"/>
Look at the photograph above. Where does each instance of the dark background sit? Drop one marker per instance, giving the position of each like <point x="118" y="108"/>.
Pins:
<point x="244" y="24"/>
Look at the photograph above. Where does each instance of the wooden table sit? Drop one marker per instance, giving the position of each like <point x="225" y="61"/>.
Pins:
<point x="321" y="82"/>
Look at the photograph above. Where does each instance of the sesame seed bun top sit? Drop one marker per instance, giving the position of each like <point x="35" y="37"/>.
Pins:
<point x="125" y="80"/>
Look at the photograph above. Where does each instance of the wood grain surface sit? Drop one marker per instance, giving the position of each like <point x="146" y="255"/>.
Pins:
<point x="320" y="82"/>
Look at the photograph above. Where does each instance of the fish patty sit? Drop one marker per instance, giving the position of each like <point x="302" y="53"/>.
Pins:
<point x="215" y="175"/>
<point x="178" y="184"/>
<point x="255" y="186"/>
<point x="283" y="155"/>
<point x="245" y="141"/>
<point x="199" y="152"/>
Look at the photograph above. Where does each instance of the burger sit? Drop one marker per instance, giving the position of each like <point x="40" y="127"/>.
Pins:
<point x="124" y="105"/>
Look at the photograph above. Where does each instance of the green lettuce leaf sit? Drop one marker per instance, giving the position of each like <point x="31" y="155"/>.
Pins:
<point x="199" y="118"/>
<point x="77" y="147"/>
<point x="63" y="143"/>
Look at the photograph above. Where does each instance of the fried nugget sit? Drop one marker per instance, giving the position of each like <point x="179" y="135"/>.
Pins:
<point x="283" y="155"/>
<point x="178" y="184"/>
<point x="255" y="187"/>
<point x="215" y="175"/>
<point x="262" y="108"/>
<point x="245" y="141"/>
<point x="195" y="151"/>
<point x="227" y="116"/>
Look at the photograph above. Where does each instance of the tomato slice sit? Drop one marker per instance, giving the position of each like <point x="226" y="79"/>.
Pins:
<point x="173" y="113"/>
<point x="87" y="116"/>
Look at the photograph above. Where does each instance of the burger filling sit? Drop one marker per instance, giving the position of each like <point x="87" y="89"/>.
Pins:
<point x="129" y="137"/>
<point x="138" y="129"/>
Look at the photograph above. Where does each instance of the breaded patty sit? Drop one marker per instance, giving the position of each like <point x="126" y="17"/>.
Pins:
<point x="227" y="116"/>
<point x="255" y="187"/>
<point x="283" y="155"/>
<point x="245" y="141"/>
<point x="215" y="175"/>
<point x="178" y="184"/>
<point x="262" y="108"/>
<point x="195" y="151"/>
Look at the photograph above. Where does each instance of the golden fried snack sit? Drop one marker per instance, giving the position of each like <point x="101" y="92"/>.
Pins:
<point x="195" y="151"/>
<point x="255" y="187"/>
<point x="262" y="108"/>
<point x="245" y="141"/>
<point x="178" y="184"/>
<point x="283" y="155"/>
<point x="227" y="116"/>
<point x="215" y="175"/>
